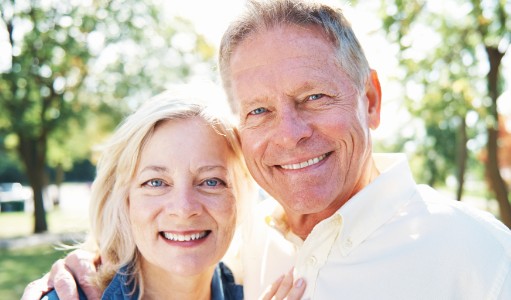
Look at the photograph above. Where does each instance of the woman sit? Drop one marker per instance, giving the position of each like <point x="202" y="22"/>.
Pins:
<point x="164" y="203"/>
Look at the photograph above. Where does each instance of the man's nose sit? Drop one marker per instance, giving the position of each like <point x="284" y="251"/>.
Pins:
<point x="291" y="128"/>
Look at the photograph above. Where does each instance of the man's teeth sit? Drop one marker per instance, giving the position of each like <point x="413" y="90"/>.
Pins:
<point x="184" y="237"/>
<point x="304" y="164"/>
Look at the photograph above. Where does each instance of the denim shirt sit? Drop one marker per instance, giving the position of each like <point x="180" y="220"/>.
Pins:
<point x="122" y="287"/>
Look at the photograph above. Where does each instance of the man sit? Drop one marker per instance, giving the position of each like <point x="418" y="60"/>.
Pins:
<point x="354" y="225"/>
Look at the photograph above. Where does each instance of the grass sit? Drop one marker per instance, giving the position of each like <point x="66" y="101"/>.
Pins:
<point x="18" y="267"/>
<point x="21" y="266"/>
<point x="19" y="224"/>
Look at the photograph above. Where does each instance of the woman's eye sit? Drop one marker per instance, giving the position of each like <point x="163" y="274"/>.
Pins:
<point x="213" y="182"/>
<point x="258" y="111"/>
<point x="154" y="183"/>
<point x="315" y="97"/>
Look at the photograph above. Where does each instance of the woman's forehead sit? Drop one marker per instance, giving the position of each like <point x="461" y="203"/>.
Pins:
<point x="190" y="139"/>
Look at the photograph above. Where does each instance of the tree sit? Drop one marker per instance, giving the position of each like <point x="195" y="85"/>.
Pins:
<point x="495" y="35"/>
<point x="49" y="59"/>
<point x="71" y="61"/>
<point x="445" y="84"/>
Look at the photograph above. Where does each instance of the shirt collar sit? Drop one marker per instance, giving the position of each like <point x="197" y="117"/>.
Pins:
<point x="217" y="290"/>
<point x="122" y="285"/>
<point x="368" y="209"/>
<point x="374" y="205"/>
<point x="223" y="286"/>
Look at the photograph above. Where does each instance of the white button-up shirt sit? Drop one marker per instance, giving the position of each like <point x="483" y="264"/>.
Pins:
<point x="393" y="240"/>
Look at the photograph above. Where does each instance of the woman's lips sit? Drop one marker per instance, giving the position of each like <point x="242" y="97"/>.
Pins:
<point x="182" y="237"/>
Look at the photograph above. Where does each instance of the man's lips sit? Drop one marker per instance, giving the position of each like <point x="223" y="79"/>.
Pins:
<point x="181" y="237"/>
<point x="305" y="164"/>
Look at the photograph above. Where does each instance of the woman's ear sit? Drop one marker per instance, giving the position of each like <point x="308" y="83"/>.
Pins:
<point x="373" y="94"/>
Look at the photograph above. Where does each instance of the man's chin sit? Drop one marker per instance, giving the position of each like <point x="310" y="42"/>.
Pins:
<point x="304" y="207"/>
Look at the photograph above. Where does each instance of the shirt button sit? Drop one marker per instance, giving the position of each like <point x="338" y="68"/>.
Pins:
<point x="312" y="261"/>
<point x="348" y="243"/>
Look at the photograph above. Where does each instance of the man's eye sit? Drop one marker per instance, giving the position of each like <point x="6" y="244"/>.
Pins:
<point x="154" y="183"/>
<point x="315" y="97"/>
<point x="258" y="111"/>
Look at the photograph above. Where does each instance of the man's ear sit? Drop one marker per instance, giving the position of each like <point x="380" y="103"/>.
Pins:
<point x="373" y="94"/>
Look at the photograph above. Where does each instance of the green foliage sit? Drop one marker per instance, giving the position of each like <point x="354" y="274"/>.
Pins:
<point x="10" y="168"/>
<point x="77" y="67"/>
<point x="442" y="53"/>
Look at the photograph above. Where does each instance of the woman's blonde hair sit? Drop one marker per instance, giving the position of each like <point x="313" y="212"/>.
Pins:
<point x="110" y="224"/>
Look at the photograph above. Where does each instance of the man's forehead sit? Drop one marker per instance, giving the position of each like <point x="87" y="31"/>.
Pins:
<point x="286" y="39"/>
<point x="292" y="76"/>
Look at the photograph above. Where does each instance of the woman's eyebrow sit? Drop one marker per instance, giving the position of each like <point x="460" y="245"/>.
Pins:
<point x="211" y="167"/>
<point x="154" y="168"/>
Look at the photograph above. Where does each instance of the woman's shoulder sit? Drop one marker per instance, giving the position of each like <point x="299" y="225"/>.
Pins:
<point x="123" y="285"/>
<point x="52" y="295"/>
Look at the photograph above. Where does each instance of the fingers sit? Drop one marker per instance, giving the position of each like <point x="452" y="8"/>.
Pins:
<point x="284" y="288"/>
<point x="78" y="264"/>
<point x="63" y="281"/>
<point x="36" y="288"/>
<point x="272" y="289"/>
<point x="82" y="265"/>
<point x="296" y="292"/>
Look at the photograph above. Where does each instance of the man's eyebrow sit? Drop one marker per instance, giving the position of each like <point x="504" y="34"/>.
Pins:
<point x="256" y="101"/>
<point x="302" y="88"/>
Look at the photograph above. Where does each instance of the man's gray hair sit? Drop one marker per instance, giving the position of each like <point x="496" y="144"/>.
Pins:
<point x="264" y="15"/>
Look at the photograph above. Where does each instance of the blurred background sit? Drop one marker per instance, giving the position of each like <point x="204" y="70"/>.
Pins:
<point x="71" y="70"/>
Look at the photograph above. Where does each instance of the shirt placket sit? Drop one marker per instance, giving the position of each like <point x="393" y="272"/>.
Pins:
<point x="314" y="252"/>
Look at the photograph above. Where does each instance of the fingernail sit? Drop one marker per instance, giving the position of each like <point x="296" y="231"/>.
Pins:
<point x="299" y="283"/>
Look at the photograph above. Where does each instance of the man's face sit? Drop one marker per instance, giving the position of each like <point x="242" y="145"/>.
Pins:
<point x="304" y="127"/>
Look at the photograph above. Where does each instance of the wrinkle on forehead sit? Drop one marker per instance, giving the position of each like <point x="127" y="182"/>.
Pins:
<point x="269" y="37"/>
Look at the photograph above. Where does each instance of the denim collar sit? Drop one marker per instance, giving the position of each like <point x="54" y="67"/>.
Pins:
<point x="223" y="287"/>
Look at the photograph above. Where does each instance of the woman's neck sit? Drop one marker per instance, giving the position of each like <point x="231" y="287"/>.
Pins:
<point x="159" y="284"/>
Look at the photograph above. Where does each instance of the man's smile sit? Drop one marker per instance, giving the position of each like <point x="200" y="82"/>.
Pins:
<point x="305" y="164"/>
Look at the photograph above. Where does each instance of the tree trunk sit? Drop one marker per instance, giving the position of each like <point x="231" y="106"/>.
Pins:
<point x="497" y="184"/>
<point x="36" y="181"/>
<point x="461" y="156"/>
<point x="33" y="154"/>
<point x="59" y="179"/>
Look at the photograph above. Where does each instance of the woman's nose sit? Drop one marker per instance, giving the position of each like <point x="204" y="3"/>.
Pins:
<point x="184" y="202"/>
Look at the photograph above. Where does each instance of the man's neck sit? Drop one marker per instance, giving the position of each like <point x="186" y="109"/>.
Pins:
<point x="302" y="225"/>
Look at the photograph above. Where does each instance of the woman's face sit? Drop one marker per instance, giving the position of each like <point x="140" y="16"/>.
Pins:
<point x="181" y="203"/>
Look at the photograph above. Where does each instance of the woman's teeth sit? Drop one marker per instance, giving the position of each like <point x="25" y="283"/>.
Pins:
<point x="185" y="237"/>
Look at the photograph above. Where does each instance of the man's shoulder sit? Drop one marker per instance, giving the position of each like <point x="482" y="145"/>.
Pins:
<point x="462" y="219"/>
